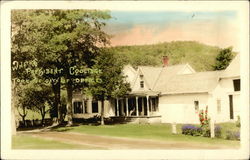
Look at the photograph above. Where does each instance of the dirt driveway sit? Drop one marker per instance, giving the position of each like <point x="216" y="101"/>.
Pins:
<point x="106" y="142"/>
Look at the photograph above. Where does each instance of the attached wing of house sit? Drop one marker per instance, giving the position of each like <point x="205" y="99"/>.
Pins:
<point x="199" y="82"/>
<point x="229" y="87"/>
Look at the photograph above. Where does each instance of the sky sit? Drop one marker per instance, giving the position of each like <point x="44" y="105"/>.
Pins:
<point x="150" y="27"/>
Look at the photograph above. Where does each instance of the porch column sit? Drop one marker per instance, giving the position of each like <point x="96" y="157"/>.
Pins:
<point x="157" y="104"/>
<point x="117" y="106"/>
<point x="89" y="105"/>
<point x="142" y="104"/>
<point x="147" y="106"/>
<point x="83" y="107"/>
<point x="126" y="106"/>
<point x="136" y="98"/>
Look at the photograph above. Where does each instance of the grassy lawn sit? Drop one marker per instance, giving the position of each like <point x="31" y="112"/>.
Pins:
<point x="29" y="142"/>
<point x="145" y="131"/>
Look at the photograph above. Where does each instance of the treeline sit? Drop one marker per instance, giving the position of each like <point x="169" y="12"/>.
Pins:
<point x="200" y="56"/>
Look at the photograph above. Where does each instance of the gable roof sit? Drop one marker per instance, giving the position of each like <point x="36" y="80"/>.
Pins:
<point x="172" y="79"/>
<point x="129" y="77"/>
<point x="166" y="74"/>
<point x="233" y="70"/>
<point x="150" y="74"/>
<point x="191" y="83"/>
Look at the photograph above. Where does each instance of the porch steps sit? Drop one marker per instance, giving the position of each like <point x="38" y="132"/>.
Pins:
<point x="138" y="120"/>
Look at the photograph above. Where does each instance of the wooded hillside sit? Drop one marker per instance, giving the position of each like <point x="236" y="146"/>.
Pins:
<point x="200" y="56"/>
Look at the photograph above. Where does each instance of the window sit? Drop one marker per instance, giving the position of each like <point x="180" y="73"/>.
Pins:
<point x="78" y="108"/>
<point x="154" y="105"/>
<point x="94" y="107"/>
<point x="196" y="106"/>
<point x="236" y="84"/>
<point x="142" y="84"/>
<point x="218" y="105"/>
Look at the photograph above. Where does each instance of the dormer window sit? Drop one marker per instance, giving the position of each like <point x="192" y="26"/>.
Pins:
<point x="142" y="84"/>
<point x="141" y="75"/>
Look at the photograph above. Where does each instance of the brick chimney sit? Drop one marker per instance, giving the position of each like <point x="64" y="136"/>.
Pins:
<point x="165" y="61"/>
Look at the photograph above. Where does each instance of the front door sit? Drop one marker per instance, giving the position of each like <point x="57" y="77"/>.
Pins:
<point x="231" y="106"/>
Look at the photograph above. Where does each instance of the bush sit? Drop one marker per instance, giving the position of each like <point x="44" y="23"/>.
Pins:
<point x="238" y="121"/>
<point x="217" y="131"/>
<point x="233" y="135"/>
<point x="191" y="130"/>
<point x="206" y="132"/>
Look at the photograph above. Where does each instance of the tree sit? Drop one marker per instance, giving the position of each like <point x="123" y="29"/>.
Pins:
<point x="22" y="103"/>
<point x="21" y="56"/>
<point x="76" y="40"/>
<point x="48" y="59"/>
<point x="22" y="113"/>
<point x="38" y="98"/>
<point x="111" y="83"/>
<point x="223" y="59"/>
<point x="65" y="39"/>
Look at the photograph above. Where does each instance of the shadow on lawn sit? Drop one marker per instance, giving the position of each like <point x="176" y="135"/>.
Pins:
<point x="65" y="128"/>
<point x="77" y="122"/>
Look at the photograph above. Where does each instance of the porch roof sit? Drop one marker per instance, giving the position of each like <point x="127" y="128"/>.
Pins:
<point x="144" y="93"/>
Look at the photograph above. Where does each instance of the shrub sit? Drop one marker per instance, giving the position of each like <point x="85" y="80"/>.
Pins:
<point x="206" y="132"/>
<point x="191" y="130"/>
<point x="198" y="131"/>
<point x="233" y="135"/>
<point x="217" y="131"/>
<point x="238" y="121"/>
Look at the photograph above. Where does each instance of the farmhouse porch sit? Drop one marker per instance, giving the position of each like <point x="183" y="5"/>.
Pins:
<point x="137" y="106"/>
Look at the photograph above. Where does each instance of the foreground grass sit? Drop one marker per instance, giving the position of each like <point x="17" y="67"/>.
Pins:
<point x="29" y="142"/>
<point x="145" y="131"/>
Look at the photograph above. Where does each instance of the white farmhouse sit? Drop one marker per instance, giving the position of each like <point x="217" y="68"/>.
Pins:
<point x="170" y="94"/>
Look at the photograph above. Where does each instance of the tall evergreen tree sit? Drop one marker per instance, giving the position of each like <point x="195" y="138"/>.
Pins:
<point x="223" y="59"/>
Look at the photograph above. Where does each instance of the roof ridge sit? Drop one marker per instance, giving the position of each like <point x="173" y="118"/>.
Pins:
<point x="182" y="64"/>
